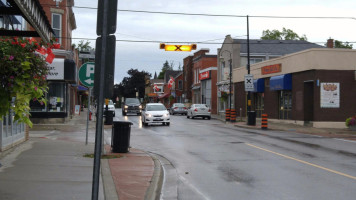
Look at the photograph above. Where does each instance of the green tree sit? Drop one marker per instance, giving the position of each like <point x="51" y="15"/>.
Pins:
<point x="344" y="45"/>
<point x="285" y="34"/>
<point x="166" y="66"/>
<point x="83" y="46"/>
<point x="134" y="83"/>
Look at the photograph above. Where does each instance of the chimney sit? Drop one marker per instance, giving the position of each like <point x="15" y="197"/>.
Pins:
<point x="330" y="43"/>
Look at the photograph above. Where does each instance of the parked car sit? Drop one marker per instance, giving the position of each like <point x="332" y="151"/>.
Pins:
<point x="131" y="105"/>
<point x="111" y="107"/>
<point x="199" y="110"/>
<point x="155" y="113"/>
<point x="178" y="108"/>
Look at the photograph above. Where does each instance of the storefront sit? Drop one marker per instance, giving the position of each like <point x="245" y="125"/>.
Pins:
<point x="60" y="77"/>
<point x="315" y="87"/>
<point x="207" y="79"/>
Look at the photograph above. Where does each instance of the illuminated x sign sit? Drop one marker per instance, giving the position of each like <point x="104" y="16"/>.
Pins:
<point x="178" y="47"/>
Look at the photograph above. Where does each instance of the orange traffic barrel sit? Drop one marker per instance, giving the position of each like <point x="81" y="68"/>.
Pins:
<point x="233" y="115"/>
<point x="264" y="122"/>
<point x="227" y="115"/>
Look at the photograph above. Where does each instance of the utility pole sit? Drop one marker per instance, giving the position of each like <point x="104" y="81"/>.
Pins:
<point x="248" y="72"/>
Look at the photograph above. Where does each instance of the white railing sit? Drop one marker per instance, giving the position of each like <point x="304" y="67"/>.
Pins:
<point x="11" y="132"/>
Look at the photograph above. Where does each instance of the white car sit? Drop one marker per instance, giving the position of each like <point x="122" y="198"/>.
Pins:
<point x="155" y="113"/>
<point x="199" y="110"/>
<point x="111" y="107"/>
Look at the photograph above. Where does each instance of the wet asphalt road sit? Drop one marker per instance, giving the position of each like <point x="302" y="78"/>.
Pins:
<point x="207" y="159"/>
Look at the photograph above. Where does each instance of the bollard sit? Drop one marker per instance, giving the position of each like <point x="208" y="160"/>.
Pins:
<point x="233" y="115"/>
<point x="264" y="122"/>
<point x="227" y="115"/>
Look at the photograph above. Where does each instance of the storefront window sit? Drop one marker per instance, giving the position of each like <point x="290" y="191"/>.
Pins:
<point x="55" y="99"/>
<point x="285" y="104"/>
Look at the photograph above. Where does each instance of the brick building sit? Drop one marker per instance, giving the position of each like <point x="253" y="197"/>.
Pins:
<point x="62" y="78"/>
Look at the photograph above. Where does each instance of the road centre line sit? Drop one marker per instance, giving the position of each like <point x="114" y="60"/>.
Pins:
<point x="304" y="162"/>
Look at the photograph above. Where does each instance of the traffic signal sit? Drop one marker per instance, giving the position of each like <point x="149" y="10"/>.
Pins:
<point x="177" y="47"/>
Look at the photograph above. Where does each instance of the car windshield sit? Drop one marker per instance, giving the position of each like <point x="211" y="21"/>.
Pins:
<point x="178" y="105"/>
<point x="155" y="107"/>
<point x="132" y="100"/>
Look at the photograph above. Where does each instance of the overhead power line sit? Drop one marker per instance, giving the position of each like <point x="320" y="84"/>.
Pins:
<point x="212" y="15"/>
<point x="205" y="42"/>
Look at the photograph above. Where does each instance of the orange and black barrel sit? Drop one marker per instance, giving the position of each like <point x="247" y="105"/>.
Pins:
<point x="227" y="115"/>
<point x="233" y="115"/>
<point x="264" y="122"/>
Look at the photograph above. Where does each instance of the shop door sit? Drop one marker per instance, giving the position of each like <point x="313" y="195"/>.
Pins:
<point x="259" y="104"/>
<point x="308" y="101"/>
<point x="285" y="104"/>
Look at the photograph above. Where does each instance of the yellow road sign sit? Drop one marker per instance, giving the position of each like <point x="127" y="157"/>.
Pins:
<point x="177" y="47"/>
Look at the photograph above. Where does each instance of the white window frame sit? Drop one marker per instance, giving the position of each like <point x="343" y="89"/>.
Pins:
<point x="60" y="27"/>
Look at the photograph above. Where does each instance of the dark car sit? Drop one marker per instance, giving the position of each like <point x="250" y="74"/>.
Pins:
<point x="178" y="108"/>
<point x="131" y="106"/>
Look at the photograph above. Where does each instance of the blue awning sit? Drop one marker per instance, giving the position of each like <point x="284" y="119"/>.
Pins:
<point x="281" y="82"/>
<point x="81" y="88"/>
<point x="259" y="85"/>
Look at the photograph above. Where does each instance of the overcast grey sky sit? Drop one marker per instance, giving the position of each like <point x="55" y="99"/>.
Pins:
<point x="186" y="28"/>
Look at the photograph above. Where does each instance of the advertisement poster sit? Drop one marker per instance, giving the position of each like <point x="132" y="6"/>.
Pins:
<point x="330" y="95"/>
<point x="77" y="109"/>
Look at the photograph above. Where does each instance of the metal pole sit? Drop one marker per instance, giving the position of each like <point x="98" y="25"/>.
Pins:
<point x="99" y="122"/>
<point x="230" y="88"/>
<point x="248" y="71"/>
<point x="86" y="136"/>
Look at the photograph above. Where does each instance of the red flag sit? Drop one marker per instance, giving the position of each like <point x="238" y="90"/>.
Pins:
<point x="50" y="57"/>
<point x="170" y="82"/>
<point x="155" y="87"/>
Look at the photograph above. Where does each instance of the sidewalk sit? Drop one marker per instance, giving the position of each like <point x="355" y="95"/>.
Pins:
<point x="272" y="125"/>
<point x="52" y="165"/>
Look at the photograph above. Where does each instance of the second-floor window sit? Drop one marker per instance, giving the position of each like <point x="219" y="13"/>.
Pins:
<point x="57" y="26"/>
<point x="180" y="85"/>
<point x="222" y="71"/>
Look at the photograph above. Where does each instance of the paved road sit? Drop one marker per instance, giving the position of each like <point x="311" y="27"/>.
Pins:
<point x="207" y="159"/>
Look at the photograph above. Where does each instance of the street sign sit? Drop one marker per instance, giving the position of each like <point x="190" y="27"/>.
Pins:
<point x="249" y="82"/>
<point x="86" y="74"/>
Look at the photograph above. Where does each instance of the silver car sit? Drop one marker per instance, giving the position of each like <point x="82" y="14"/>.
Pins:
<point x="199" y="110"/>
<point x="155" y="113"/>
<point x="178" y="108"/>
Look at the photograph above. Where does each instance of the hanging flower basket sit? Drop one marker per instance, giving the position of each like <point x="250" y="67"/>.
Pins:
<point x="224" y="96"/>
<point x="23" y="72"/>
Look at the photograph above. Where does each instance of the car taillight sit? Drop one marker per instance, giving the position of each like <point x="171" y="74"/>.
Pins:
<point x="196" y="110"/>
<point x="185" y="108"/>
<point x="175" y="108"/>
<point x="209" y="110"/>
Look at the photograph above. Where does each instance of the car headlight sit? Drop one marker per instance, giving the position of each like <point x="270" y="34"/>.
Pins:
<point x="126" y="106"/>
<point x="140" y="107"/>
<point x="166" y="115"/>
<point x="148" y="115"/>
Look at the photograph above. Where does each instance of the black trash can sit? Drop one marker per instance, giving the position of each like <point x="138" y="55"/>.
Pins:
<point x="251" y="118"/>
<point x="120" y="136"/>
<point x="109" y="116"/>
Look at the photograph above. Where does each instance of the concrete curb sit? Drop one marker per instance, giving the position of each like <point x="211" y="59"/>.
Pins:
<point x="110" y="192"/>
<point x="154" y="190"/>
